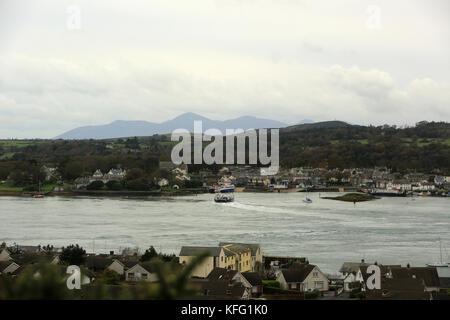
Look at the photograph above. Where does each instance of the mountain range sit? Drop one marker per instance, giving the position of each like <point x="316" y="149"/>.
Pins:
<point x="121" y="128"/>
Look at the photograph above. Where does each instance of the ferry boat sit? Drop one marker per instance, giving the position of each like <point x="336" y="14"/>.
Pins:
<point x="226" y="188"/>
<point x="224" y="193"/>
<point x="224" y="197"/>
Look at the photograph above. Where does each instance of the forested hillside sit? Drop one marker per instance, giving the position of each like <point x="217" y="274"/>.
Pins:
<point x="425" y="147"/>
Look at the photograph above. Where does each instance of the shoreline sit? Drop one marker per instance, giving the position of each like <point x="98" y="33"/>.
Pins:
<point x="104" y="193"/>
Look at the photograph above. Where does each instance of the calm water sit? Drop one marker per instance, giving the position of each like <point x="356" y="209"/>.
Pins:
<point x="390" y="230"/>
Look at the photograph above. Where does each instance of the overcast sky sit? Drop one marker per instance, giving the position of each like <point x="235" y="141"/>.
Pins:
<point x="365" y="62"/>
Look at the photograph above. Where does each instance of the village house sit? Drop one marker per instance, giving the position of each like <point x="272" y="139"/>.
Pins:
<point x="256" y="253"/>
<point x="233" y="256"/>
<point x="140" y="271"/>
<point x="8" y="267"/>
<point x="144" y="271"/>
<point x="221" y="289"/>
<point x="424" y="186"/>
<point x="400" y="185"/>
<point x="50" y="173"/>
<point x="428" y="275"/>
<point x="169" y="166"/>
<point x="250" y="280"/>
<point x="399" y="289"/>
<point x="241" y="256"/>
<point x="5" y="255"/>
<point x="303" y="277"/>
<point x="216" y="258"/>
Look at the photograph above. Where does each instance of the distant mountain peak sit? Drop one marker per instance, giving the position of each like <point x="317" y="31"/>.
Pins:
<point x="139" y="128"/>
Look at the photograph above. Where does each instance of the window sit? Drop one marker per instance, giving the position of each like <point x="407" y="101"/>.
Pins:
<point x="144" y="276"/>
<point x="315" y="274"/>
<point x="318" y="284"/>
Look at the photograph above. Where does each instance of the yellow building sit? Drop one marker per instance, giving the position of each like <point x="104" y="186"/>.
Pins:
<point x="234" y="256"/>
<point x="255" y="249"/>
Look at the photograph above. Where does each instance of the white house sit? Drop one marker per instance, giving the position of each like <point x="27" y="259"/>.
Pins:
<point x="117" y="266"/>
<point x="303" y="277"/>
<point x="140" y="271"/>
<point x="5" y="255"/>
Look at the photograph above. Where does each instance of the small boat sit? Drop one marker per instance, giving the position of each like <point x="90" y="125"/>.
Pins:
<point x="307" y="200"/>
<point x="39" y="195"/>
<point x="439" y="264"/>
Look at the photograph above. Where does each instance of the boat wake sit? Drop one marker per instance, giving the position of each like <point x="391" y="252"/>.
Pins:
<point x="260" y="208"/>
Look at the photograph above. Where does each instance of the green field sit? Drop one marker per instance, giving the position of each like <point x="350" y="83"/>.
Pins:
<point x="8" y="187"/>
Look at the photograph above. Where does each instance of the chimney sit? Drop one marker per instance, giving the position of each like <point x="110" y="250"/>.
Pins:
<point x="408" y="266"/>
<point x="111" y="253"/>
<point x="376" y="263"/>
<point x="362" y="260"/>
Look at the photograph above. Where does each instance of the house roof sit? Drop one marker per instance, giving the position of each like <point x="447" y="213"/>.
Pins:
<point x="221" y="289"/>
<point x="445" y="282"/>
<point x="147" y="265"/>
<point x="239" y="249"/>
<point x="428" y="274"/>
<point x="221" y="273"/>
<point x="28" y="257"/>
<point x="399" y="289"/>
<point x="195" y="251"/>
<point x="252" y="246"/>
<point x="98" y="262"/>
<point x="253" y="278"/>
<point x="383" y="269"/>
<point x="298" y="274"/>
<point x="348" y="267"/>
<point x="5" y="264"/>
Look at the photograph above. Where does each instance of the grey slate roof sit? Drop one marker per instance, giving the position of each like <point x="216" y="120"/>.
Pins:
<point x="298" y="274"/>
<point x="5" y="264"/>
<point x="349" y="267"/>
<point x="445" y="282"/>
<point x="221" y="273"/>
<point x="428" y="274"/>
<point x="253" y="278"/>
<point x="194" y="251"/>
<point x="399" y="289"/>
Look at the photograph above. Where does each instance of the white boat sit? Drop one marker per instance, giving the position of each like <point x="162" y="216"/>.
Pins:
<point x="225" y="188"/>
<point x="224" y="193"/>
<point x="307" y="200"/>
<point x="439" y="264"/>
<point x="224" y="197"/>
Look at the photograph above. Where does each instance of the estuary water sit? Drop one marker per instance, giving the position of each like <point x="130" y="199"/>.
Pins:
<point x="327" y="232"/>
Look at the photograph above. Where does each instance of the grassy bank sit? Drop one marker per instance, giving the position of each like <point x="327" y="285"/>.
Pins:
<point x="353" y="197"/>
